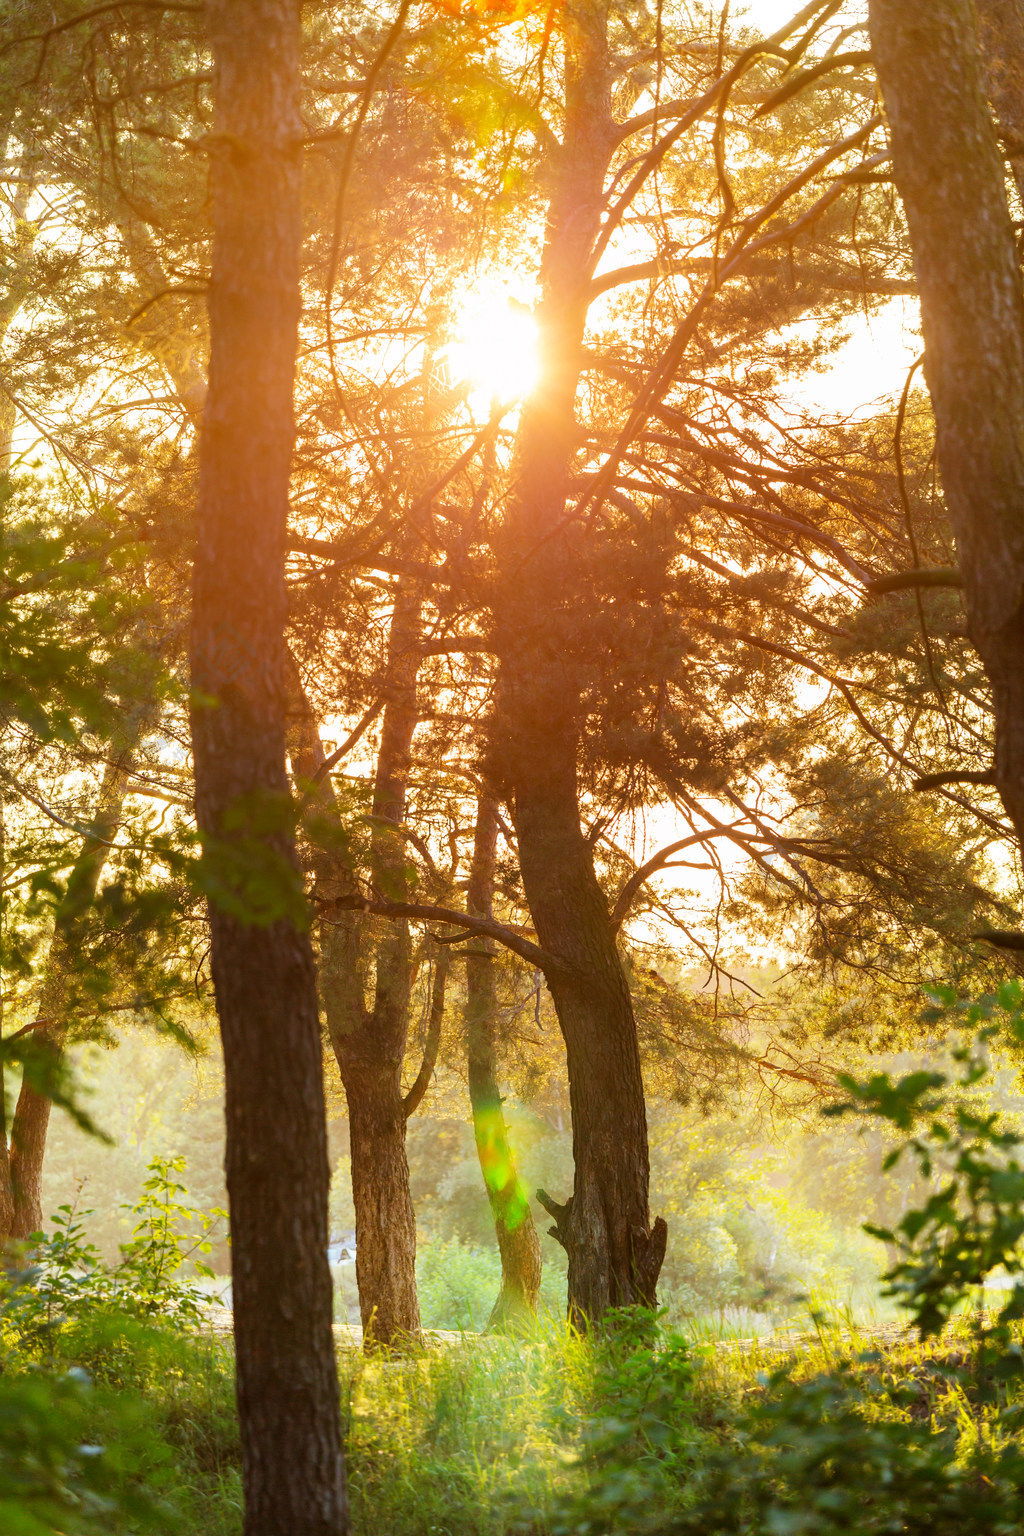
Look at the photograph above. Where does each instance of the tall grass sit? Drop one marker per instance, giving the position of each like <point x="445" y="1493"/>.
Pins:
<point x="550" y="1434"/>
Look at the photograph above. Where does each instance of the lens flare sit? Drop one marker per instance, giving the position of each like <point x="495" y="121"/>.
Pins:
<point x="495" y="347"/>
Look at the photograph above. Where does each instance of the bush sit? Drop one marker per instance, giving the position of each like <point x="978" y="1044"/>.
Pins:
<point x="459" y="1284"/>
<point x="849" y="1449"/>
<point x="114" y="1416"/>
<point x="67" y="1286"/>
<point x="56" y="1477"/>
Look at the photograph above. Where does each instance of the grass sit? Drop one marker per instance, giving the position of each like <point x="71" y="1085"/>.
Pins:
<point x="558" y="1435"/>
<point x="459" y="1440"/>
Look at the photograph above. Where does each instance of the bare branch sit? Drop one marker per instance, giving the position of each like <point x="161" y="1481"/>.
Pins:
<point x="902" y="581"/>
<point x="80" y="830"/>
<point x="936" y="780"/>
<point x="486" y="926"/>
<point x="349" y="742"/>
<point x="657" y="861"/>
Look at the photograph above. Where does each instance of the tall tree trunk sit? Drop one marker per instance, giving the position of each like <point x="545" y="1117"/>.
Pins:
<point x="950" y="176"/>
<point x="261" y="957"/>
<point x="614" y="1253"/>
<point x="514" y="1227"/>
<point x="369" y="1042"/>
<point x="56" y="1001"/>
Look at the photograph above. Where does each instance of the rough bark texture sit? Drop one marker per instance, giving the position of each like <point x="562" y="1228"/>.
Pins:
<point x="614" y="1254"/>
<point x="276" y="1157"/>
<point x="56" y="1003"/>
<point x="514" y="1226"/>
<point x="369" y="1042"/>
<point x="950" y="175"/>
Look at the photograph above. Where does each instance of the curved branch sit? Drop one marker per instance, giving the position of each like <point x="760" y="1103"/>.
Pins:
<point x="350" y="740"/>
<point x="969" y="776"/>
<point x="657" y="861"/>
<point x="88" y="833"/>
<point x="426" y="912"/>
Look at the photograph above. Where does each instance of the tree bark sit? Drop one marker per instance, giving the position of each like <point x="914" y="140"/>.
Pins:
<point x="949" y="173"/>
<point x="614" y="1253"/>
<point x="514" y="1226"/>
<point x="261" y="957"/>
<point x="369" y="1042"/>
<point x="435" y="1023"/>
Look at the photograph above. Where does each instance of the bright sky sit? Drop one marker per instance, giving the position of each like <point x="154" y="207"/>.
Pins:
<point x="870" y="367"/>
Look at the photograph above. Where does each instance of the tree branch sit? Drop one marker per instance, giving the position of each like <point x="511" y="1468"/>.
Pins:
<point x="657" y="861"/>
<point x="322" y="549"/>
<point x="1000" y="938"/>
<point x="901" y="581"/>
<point x="936" y="780"/>
<point x="349" y="742"/>
<point x="426" y="912"/>
<point x="836" y="280"/>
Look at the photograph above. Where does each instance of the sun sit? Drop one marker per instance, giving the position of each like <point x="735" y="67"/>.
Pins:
<point x="494" y="349"/>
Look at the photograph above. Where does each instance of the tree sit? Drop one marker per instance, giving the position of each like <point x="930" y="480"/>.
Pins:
<point x="665" y="550"/>
<point x="262" y="962"/>
<point x="514" y="1227"/>
<point x="369" y="1040"/>
<point x="950" y="175"/>
<point x="648" y="604"/>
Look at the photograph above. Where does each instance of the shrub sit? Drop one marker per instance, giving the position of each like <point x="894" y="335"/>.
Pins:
<point x="55" y="1476"/>
<point x="67" y="1287"/>
<point x="458" y="1285"/>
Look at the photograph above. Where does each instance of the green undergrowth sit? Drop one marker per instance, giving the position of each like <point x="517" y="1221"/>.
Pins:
<point x="117" y="1413"/>
<point x="490" y="1435"/>
<point x="554" y="1435"/>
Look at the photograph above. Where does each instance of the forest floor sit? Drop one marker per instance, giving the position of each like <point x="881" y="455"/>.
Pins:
<point x="547" y="1435"/>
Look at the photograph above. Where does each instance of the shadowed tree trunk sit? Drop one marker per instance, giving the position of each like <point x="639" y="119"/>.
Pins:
<point x="514" y="1227"/>
<point x="369" y="1042"/>
<point x="614" y="1253"/>
<point x="949" y="173"/>
<point x="261" y="958"/>
<point x="6" y="1192"/>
